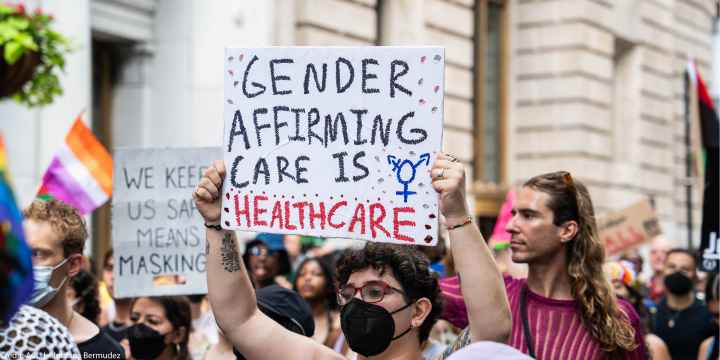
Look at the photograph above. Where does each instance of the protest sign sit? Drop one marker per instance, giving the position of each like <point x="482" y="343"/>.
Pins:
<point x="333" y="142"/>
<point x="158" y="234"/>
<point x="628" y="228"/>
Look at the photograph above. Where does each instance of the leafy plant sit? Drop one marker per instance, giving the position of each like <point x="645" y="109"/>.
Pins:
<point x="22" y="33"/>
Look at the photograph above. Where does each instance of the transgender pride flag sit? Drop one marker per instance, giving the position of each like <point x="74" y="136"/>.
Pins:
<point x="80" y="174"/>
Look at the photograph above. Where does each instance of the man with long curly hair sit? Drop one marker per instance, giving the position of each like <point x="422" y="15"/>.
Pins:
<point x="565" y="309"/>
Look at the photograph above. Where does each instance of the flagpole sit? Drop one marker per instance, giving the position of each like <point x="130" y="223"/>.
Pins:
<point x="688" y="161"/>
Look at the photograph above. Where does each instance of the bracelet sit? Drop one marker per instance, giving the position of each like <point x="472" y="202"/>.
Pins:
<point x="467" y="221"/>
<point x="213" y="226"/>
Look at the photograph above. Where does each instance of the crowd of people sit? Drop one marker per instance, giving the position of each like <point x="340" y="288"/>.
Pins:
<point x="292" y="297"/>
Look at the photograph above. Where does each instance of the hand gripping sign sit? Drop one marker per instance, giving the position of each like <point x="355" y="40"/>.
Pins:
<point x="333" y="142"/>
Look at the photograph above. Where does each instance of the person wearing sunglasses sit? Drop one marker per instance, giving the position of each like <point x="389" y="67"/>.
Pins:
<point x="388" y="296"/>
<point x="266" y="260"/>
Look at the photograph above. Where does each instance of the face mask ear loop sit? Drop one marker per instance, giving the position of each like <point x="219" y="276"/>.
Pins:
<point x="409" y="328"/>
<point x="403" y="333"/>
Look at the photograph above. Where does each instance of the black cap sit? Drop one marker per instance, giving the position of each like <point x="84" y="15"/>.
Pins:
<point x="287" y="308"/>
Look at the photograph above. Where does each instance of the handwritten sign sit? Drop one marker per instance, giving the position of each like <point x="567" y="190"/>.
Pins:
<point x="628" y="228"/>
<point x="333" y="142"/>
<point x="158" y="233"/>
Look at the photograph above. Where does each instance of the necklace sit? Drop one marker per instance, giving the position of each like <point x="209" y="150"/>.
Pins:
<point x="673" y="317"/>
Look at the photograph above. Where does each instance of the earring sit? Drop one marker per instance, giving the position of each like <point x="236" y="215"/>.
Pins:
<point x="177" y="348"/>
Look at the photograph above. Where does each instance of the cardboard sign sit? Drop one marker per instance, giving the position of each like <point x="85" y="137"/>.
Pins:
<point x="628" y="228"/>
<point x="158" y="234"/>
<point x="333" y="142"/>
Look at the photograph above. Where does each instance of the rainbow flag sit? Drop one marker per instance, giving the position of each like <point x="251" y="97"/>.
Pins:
<point x="16" y="275"/>
<point x="80" y="174"/>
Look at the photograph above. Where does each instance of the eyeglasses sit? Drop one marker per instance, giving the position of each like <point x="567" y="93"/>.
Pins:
<point x="371" y="292"/>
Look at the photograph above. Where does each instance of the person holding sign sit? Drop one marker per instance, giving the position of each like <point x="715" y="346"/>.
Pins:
<point x="388" y="296"/>
<point x="565" y="309"/>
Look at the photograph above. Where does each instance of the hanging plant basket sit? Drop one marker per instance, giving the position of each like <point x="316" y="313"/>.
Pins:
<point x="31" y="56"/>
<point x="13" y="77"/>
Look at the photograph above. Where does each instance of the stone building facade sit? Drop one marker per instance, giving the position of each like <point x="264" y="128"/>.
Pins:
<point x="590" y="86"/>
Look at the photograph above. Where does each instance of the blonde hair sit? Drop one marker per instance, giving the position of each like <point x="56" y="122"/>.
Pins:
<point x="64" y="220"/>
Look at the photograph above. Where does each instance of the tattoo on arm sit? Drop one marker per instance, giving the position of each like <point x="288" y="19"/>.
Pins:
<point x="229" y="255"/>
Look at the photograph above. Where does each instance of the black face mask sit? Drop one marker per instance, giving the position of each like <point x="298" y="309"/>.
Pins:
<point x="145" y="343"/>
<point x="678" y="283"/>
<point x="369" y="328"/>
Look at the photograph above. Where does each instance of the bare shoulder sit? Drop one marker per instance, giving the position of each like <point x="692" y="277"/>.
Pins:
<point x="657" y="347"/>
<point x="704" y="346"/>
<point x="82" y="329"/>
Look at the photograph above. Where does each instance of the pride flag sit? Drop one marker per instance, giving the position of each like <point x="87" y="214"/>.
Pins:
<point x="80" y="174"/>
<point x="16" y="277"/>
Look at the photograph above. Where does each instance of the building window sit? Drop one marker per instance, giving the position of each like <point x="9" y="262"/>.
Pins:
<point x="490" y="79"/>
<point x="491" y="135"/>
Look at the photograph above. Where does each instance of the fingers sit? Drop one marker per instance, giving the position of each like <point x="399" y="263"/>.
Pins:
<point x="203" y="194"/>
<point x="220" y="166"/>
<point x="443" y="169"/>
<point x="208" y="188"/>
<point x="448" y="184"/>
<point x="215" y="173"/>
<point x="440" y="173"/>
<point x="448" y="157"/>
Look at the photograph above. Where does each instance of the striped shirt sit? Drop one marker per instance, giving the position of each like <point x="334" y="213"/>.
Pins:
<point x="556" y="328"/>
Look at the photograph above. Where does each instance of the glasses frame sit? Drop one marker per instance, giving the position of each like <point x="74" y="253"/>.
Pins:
<point x="385" y="286"/>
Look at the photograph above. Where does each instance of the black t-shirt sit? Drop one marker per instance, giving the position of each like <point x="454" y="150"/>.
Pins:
<point x="690" y="327"/>
<point x="101" y="344"/>
<point x="116" y="331"/>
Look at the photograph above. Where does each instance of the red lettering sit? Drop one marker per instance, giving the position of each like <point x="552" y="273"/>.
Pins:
<point x="359" y="216"/>
<point x="331" y="213"/>
<point x="397" y="223"/>
<point x="313" y="215"/>
<point x="277" y="215"/>
<point x="257" y="212"/>
<point x="376" y="222"/>
<point x="288" y="225"/>
<point x="245" y="211"/>
<point x="301" y="212"/>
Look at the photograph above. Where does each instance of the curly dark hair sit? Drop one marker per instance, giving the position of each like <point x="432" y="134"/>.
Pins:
<point x="86" y="289"/>
<point x="408" y="265"/>
<point x="330" y="295"/>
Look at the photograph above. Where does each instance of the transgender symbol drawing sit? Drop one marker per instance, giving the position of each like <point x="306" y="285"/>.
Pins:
<point x="405" y="172"/>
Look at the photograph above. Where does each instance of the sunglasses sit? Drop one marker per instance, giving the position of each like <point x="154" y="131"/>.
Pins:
<point x="371" y="292"/>
<point x="260" y="251"/>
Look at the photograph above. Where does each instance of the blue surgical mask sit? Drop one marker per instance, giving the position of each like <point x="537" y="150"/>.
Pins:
<point x="43" y="292"/>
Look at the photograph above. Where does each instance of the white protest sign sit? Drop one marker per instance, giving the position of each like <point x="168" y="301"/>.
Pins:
<point x="158" y="234"/>
<point x="333" y="141"/>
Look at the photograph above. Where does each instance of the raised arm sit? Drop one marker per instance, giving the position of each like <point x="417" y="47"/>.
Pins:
<point x="481" y="283"/>
<point x="231" y="293"/>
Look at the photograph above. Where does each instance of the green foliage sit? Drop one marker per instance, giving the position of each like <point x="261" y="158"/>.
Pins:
<point x="22" y="33"/>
